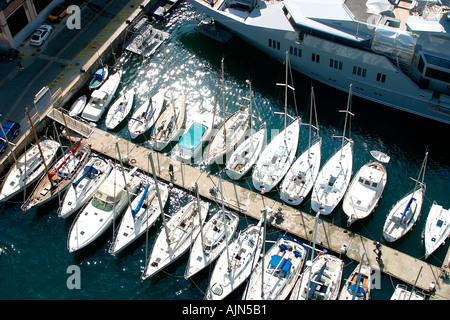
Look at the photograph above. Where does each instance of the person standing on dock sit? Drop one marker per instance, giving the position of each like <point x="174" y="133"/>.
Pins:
<point x="377" y="251"/>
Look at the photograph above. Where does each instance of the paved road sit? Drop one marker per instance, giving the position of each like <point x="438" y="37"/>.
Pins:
<point x="43" y="64"/>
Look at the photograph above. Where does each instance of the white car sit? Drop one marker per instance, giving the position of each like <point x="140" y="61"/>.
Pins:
<point x="40" y="35"/>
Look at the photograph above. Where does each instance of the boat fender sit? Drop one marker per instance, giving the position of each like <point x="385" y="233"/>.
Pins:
<point x="133" y="161"/>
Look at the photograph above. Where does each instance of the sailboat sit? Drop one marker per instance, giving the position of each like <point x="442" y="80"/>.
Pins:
<point x="357" y="286"/>
<point x="230" y="133"/>
<point x="366" y="188"/>
<point x="334" y="178"/>
<point x="217" y="233"/>
<point x="146" y="115"/>
<point x="277" y="272"/>
<point x="278" y="156"/>
<point x="402" y="293"/>
<point x="58" y="179"/>
<point x="28" y="168"/>
<point x="321" y="279"/>
<point x="234" y="266"/>
<point x="300" y="178"/>
<point x="405" y="213"/>
<point x="119" y="109"/>
<point x="212" y="240"/>
<point x="247" y="153"/>
<point x="176" y="236"/>
<point x="169" y="126"/>
<point x="101" y="98"/>
<point x="143" y="213"/>
<point x="85" y="184"/>
<point x="107" y="204"/>
<point x="437" y="228"/>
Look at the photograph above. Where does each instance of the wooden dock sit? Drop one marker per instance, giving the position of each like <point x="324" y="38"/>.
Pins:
<point x="297" y="223"/>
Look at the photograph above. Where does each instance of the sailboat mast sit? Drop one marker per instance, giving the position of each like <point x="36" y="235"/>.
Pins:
<point x="200" y="223"/>
<point x="123" y="173"/>
<point x="67" y="129"/>
<point x="263" y="252"/>
<point x="285" y="95"/>
<point x="224" y="222"/>
<point x="224" y="111"/>
<point x="312" y="252"/>
<point x="39" y="146"/>
<point x="159" y="198"/>
<point x="347" y="112"/>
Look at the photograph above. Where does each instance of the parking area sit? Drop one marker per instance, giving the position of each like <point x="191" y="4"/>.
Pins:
<point x="38" y="66"/>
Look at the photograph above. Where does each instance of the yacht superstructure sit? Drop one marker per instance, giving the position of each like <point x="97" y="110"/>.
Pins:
<point x="393" y="52"/>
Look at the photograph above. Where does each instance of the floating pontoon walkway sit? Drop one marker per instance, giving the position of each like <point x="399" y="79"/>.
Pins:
<point x="146" y="39"/>
<point x="394" y="263"/>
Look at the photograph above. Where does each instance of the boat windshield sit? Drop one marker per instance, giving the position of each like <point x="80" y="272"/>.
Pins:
<point x="103" y="201"/>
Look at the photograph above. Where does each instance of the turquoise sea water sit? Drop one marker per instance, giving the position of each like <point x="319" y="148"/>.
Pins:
<point x="35" y="261"/>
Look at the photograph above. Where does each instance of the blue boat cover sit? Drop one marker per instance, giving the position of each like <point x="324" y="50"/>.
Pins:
<point x="281" y="263"/>
<point x="192" y="138"/>
<point x="87" y="170"/>
<point x="99" y="74"/>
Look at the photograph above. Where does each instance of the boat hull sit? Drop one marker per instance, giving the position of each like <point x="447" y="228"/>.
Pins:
<point x="333" y="180"/>
<point x="276" y="158"/>
<point x="182" y="227"/>
<point x="13" y="185"/>
<point x="301" y="176"/>
<point x="77" y="196"/>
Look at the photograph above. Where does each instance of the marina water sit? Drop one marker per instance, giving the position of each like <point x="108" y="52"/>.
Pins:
<point x="35" y="263"/>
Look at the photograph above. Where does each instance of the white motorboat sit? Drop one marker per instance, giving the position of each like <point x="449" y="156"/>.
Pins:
<point x="358" y="285"/>
<point x="211" y="241"/>
<point x="169" y="126"/>
<point x="85" y="184"/>
<point x="300" y="178"/>
<point x="321" y="280"/>
<point x="235" y="265"/>
<point x="101" y="98"/>
<point x="405" y="213"/>
<point x="99" y="78"/>
<point x="146" y="115"/>
<point x="401" y="292"/>
<point x="142" y="215"/>
<point x="120" y="109"/>
<point x="78" y="106"/>
<point x="189" y="147"/>
<point x="278" y="156"/>
<point x="176" y="236"/>
<point x="229" y="135"/>
<point x="107" y="204"/>
<point x="437" y="228"/>
<point x="365" y="190"/>
<point x="58" y="179"/>
<point x="334" y="178"/>
<point x="28" y="168"/>
<point x="276" y="273"/>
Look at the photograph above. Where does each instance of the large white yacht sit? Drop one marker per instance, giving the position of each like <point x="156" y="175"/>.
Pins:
<point x="394" y="52"/>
